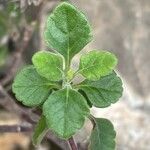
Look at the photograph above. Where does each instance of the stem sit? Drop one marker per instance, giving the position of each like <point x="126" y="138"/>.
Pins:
<point x="72" y="144"/>
<point x="67" y="65"/>
<point x="75" y="74"/>
<point x="92" y="120"/>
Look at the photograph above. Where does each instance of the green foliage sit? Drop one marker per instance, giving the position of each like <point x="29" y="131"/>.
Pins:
<point x="48" y="65"/>
<point x="40" y="131"/>
<point x="103" y="92"/>
<point x="65" y="111"/>
<point x="67" y="30"/>
<point x="30" y="88"/>
<point x="48" y="83"/>
<point x="96" y="64"/>
<point x="103" y="135"/>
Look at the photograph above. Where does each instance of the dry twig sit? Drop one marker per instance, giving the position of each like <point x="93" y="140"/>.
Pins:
<point x="9" y="104"/>
<point x="17" y="56"/>
<point x="15" y="128"/>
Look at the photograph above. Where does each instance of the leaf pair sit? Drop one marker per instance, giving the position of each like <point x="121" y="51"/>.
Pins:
<point x="33" y="84"/>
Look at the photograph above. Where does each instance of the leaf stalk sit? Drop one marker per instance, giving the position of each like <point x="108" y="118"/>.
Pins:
<point x="72" y="144"/>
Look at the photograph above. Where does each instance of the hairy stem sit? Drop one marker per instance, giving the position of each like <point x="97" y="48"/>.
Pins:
<point x="92" y="120"/>
<point x="72" y="144"/>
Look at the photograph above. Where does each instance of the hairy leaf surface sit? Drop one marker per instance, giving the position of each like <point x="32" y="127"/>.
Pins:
<point x="106" y="90"/>
<point x="48" y="65"/>
<point x="65" y="112"/>
<point x="96" y="64"/>
<point x="103" y="135"/>
<point x="67" y="30"/>
<point x="39" y="131"/>
<point x="30" y="88"/>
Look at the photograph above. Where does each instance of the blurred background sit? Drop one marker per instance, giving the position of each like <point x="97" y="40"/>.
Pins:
<point x="119" y="26"/>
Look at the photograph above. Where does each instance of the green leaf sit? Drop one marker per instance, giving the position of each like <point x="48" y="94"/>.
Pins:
<point x="103" y="135"/>
<point x="39" y="131"/>
<point x="30" y="88"/>
<point x="67" y="30"/>
<point x="48" y="65"/>
<point x="65" y="112"/>
<point x="103" y="92"/>
<point x="96" y="64"/>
